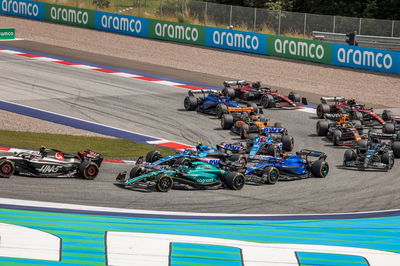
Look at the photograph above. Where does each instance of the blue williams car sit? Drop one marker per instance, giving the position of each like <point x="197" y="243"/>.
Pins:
<point x="212" y="102"/>
<point x="270" y="169"/>
<point x="270" y="142"/>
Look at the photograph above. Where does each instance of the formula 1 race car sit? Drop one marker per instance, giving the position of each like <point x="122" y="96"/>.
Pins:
<point x="51" y="163"/>
<point x="211" y="102"/>
<point x="268" y="171"/>
<point x="343" y="132"/>
<point x="205" y="153"/>
<point x="391" y="140"/>
<point x="374" y="155"/>
<point x="268" y="98"/>
<point x="340" y="105"/>
<point x="392" y="126"/>
<point x="189" y="173"/>
<point x="265" y="144"/>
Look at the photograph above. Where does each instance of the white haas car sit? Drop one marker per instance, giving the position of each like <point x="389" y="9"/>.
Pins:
<point x="51" y="163"/>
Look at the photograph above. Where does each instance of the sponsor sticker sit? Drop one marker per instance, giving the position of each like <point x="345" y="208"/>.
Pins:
<point x="300" y="49"/>
<point x="128" y="25"/>
<point x="28" y="9"/>
<point x="366" y="58"/>
<point x="236" y="40"/>
<point x="69" y="15"/>
<point x="177" y="32"/>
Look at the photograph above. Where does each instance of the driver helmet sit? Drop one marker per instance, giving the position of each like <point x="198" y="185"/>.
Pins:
<point x="256" y="84"/>
<point x="220" y="94"/>
<point x="198" y="146"/>
<point x="375" y="140"/>
<point x="352" y="101"/>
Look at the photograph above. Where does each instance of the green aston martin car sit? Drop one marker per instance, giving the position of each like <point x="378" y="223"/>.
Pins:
<point x="196" y="174"/>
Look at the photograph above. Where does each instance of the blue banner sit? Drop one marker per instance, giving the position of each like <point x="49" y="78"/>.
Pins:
<point x="236" y="40"/>
<point x="128" y="25"/>
<point x="366" y="58"/>
<point x="27" y="9"/>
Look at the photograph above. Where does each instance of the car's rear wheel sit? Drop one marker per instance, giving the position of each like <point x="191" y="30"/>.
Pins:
<point x="164" y="183"/>
<point x="396" y="149"/>
<point x="323" y="109"/>
<point x="227" y="121"/>
<point x="244" y="131"/>
<point x="320" y="168"/>
<point x="239" y="159"/>
<point x="387" y="115"/>
<point x="356" y="115"/>
<point x="278" y="125"/>
<point x="388" y="159"/>
<point x="221" y="109"/>
<point x="322" y="128"/>
<point x="388" y="128"/>
<point x="337" y="136"/>
<point x="287" y="143"/>
<point x="229" y="92"/>
<point x="270" y="175"/>
<point x="234" y="180"/>
<point x="190" y="103"/>
<point x="7" y="168"/>
<point x="267" y="101"/>
<point x="153" y="156"/>
<point x="88" y="170"/>
<point x="349" y="155"/>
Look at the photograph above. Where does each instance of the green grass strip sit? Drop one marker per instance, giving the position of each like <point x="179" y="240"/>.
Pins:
<point x="108" y="147"/>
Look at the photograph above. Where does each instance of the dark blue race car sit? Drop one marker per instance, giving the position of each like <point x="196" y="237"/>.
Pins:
<point x="270" y="142"/>
<point x="269" y="171"/>
<point x="209" y="101"/>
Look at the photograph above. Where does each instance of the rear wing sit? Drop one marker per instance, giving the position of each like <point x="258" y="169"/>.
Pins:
<point x="241" y="109"/>
<point x="228" y="83"/>
<point x="338" y="99"/>
<point x="273" y="130"/>
<point x="305" y="152"/>
<point x="204" y="92"/>
<point x="382" y="135"/>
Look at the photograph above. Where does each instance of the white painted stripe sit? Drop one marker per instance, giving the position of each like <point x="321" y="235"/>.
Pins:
<point x="16" y="39"/>
<point x="307" y="110"/>
<point x="167" y="83"/>
<point x="133" y="211"/>
<point x="155" y="142"/>
<point x="125" y="75"/>
<point x="27" y="243"/>
<point x="85" y="67"/>
<point x="10" y="52"/>
<point x="46" y="59"/>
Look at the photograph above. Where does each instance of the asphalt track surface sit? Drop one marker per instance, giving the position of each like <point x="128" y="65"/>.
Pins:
<point x="157" y="110"/>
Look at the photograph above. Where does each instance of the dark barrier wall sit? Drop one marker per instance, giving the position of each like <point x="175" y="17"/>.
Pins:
<point x="244" y="41"/>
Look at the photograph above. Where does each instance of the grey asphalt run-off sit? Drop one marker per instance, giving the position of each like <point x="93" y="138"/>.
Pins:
<point x="157" y="110"/>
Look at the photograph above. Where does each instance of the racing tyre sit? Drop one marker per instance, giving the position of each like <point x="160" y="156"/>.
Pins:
<point x="270" y="150"/>
<point x="227" y="121"/>
<point x="396" y="149"/>
<point x="294" y="96"/>
<point x="234" y="180"/>
<point x="322" y="109"/>
<point x="388" y="159"/>
<point x="278" y="125"/>
<point x="164" y="183"/>
<point x="356" y="115"/>
<point x="267" y="101"/>
<point x="221" y="109"/>
<point x="229" y="92"/>
<point x="181" y="161"/>
<point x="254" y="105"/>
<point x="337" y="136"/>
<point x="287" y="143"/>
<point x="320" y="168"/>
<point x="357" y="124"/>
<point x="322" y="128"/>
<point x="244" y="131"/>
<point x="88" y="170"/>
<point x="153" y="156"/>
<point x="349" y="155"/>
<point x="270" y="175"/>
<point x="263" y="118"/>
<point x="387" y="115"/>
<point x="362" y="145"/>
<point x="239" y="158"/>
<point x="388" y="128"/>
<point x="7" y="168"/>
<point x="136" y="171"/>
<point x="190" y="103"/>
